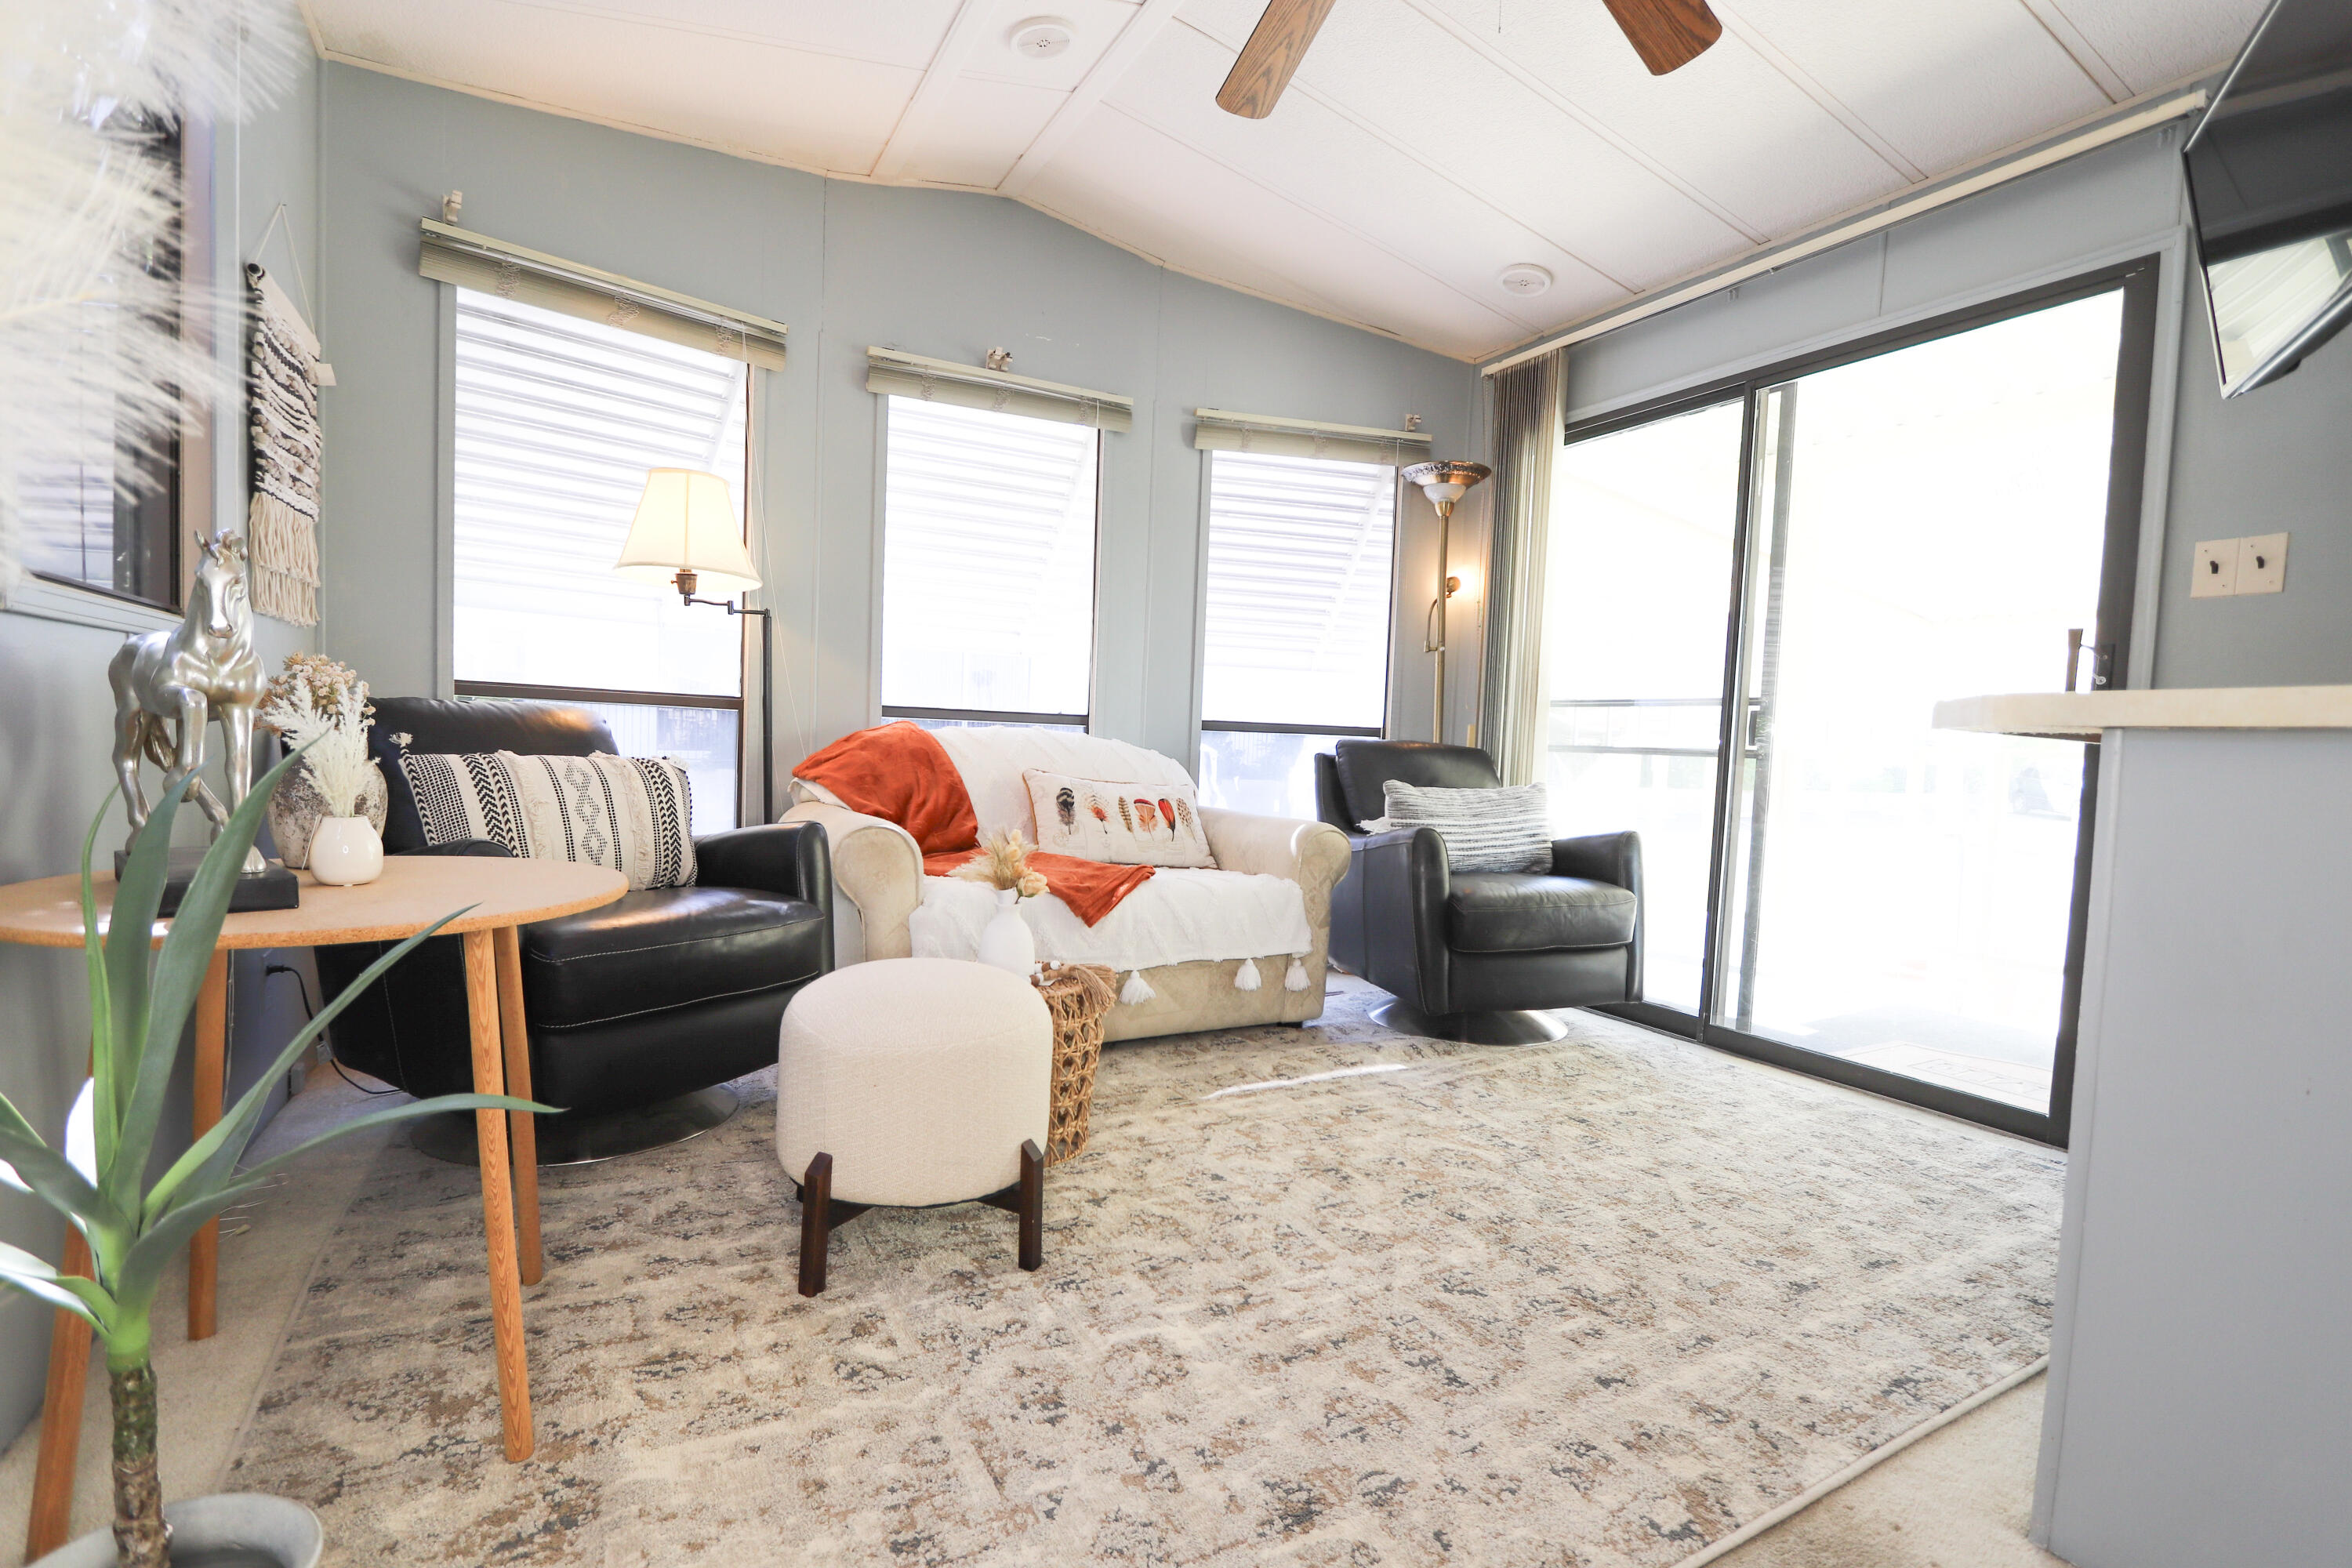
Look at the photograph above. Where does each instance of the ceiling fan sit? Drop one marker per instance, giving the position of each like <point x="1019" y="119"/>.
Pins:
<point x="1666" y="34"/>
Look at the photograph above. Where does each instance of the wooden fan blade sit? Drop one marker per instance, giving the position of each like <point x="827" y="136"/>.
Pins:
<point x="1666" y="34"/>
<point x="1274" y="48"/>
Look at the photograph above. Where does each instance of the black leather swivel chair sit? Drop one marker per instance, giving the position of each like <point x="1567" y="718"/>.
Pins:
<point x="640" y="1011"/>
<point x="1469" y="955"/>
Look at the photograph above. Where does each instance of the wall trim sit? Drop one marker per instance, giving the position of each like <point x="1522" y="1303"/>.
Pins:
<point x="40" y="598"/>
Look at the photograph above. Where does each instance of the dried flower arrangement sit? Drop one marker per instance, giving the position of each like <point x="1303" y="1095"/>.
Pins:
<point x="1003" y="864"/>
<point x="320" y="705"/>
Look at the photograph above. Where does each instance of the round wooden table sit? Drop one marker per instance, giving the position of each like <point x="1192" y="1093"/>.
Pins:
<point x="413" y="892"/>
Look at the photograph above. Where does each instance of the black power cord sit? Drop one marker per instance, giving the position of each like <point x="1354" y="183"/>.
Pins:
<point x="309" y="1010"/>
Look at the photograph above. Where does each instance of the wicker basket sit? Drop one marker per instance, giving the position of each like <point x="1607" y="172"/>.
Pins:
<point x="1077" y="996"/>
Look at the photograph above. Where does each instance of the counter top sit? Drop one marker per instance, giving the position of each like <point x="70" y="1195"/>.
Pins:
<point x="2082" y="715"/>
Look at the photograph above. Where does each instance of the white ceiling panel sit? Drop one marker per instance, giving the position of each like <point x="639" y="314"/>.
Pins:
<point x="1316" y="157"/>
<point x="816" y="111"/>
<point x="1123" y="178"/>
<point x="2153" y="43"/>
<point x="1944" y="81"/>
<point x="1424" y="146"/>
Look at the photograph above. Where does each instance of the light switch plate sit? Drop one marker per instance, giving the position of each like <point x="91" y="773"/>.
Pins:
<point x="2215" y="574"/>
<point x="2262" y="563"/>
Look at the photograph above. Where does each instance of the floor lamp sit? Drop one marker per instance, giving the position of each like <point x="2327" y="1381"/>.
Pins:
<point x="1443" y="484"/>
<point x="686" y="536"/>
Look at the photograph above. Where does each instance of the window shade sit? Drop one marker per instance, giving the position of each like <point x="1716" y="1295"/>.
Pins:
<point x="510" y="272"/>
<point x="897" y="375"/>
<point x="557" y="421"/>
<point x="1299" y="557"/>
<point x="1222" y="430"/>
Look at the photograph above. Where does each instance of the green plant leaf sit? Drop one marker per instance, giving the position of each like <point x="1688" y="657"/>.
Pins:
<point x="130" y="959"/>
<point x="144" y="1262"/>
<point x="102" y="1061"/>
<point x="212" y="1157"/>
<point x="408" y="1112"/>
<point x="179" y="972"/>
<point x="49" y="1176"/>
<point x="30" y="1274"/>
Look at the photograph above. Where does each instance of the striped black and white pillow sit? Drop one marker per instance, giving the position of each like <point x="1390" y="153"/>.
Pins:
<point x="1506" y="829"/>
<point x="630" y="814"/>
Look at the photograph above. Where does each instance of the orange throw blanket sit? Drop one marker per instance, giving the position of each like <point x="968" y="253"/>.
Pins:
<point x="901" y="774"/>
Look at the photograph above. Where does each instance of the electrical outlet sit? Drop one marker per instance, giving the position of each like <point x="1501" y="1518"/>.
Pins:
<point x="2215" y="574"/>
<point x="2262" y="563"/>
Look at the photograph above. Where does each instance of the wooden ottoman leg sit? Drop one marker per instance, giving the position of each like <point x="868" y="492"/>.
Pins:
<point x="816" y="1223"/>
<point x="1033" y="1205"/>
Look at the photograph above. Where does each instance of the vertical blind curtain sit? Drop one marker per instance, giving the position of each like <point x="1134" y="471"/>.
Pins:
<point x="1529" y="418"/>
<point x="1297" y="618"/>
<point x="1222" y="430"/>
<point x="510" y="272"/>
<point x="892" y="373"/>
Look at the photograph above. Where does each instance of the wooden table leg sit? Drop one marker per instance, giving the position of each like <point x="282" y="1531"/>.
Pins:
<point x="53" y="1475"/>
<point x="212" y="1057"/>
<point x="522" y="1126"/>
<point x="498" y="1196"/>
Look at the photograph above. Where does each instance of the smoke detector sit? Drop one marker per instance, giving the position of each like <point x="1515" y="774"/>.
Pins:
<point x="1525" y="278"/>
<point x="1042" y="38"/>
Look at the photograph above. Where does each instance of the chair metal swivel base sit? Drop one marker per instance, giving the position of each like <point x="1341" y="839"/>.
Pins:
<point x="570" y="1140"/>
<point x="1509" y="1029"/>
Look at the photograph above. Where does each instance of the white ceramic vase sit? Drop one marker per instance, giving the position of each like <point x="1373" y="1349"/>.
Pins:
<point x="274" y="1530"/>
<point x="345" y="851"/>
<point x="1006" y="941"/>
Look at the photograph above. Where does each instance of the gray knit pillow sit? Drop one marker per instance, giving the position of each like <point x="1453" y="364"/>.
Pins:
<point x="1506" y="829"/>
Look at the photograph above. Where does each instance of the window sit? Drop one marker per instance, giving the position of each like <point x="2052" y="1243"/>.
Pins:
<point x="557" y="419"/>
<point x="1756" y="596"/>
<point x="1297" y="636"/>
<point x="105" y="514"/>
<point x="988" y="567"/>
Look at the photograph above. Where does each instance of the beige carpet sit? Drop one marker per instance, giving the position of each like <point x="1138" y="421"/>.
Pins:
<point x="1322" y="1296"/>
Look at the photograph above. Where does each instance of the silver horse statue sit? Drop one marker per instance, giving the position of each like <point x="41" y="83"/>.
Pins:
<point x="169" y="685"/>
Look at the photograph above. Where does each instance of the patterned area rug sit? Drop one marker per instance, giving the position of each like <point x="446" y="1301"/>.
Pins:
<point x="1332" y="1296"/>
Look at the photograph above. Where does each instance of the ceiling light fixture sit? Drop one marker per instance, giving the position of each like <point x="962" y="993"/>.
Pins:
<point x="1042" y="38"/>
<point x="1525" y="279"/>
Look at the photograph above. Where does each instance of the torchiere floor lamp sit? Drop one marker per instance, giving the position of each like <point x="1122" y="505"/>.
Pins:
<point x="1443" y="484"/>
<point x="686" y="535"/>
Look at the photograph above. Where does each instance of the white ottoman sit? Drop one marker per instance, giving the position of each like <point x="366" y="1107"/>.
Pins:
<point x="910" y="1082"/>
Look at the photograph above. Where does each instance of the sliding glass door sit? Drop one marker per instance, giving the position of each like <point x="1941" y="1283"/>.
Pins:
<point x="1839" y="545"/>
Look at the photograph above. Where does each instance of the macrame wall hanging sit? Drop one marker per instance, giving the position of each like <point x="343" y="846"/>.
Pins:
<point x="282" y="527"/>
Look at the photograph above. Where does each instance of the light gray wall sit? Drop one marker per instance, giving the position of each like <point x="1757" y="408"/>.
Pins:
<point x="56" y="716"/>
<point x="844" y="265"/>
<point x="2276" y="459"/>
<point x="2201" y="1397"/>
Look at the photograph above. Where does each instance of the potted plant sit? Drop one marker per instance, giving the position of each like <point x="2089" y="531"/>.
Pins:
<point x="329" y="813"/>
<point x="140" y="997"/>
<point x="1006" y="941"/>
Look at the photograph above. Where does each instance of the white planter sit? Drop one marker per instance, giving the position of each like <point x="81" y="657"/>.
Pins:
<point x="345" y="851"/>
<point x="1006" y="941"/>
<point x="274" y="1530"/>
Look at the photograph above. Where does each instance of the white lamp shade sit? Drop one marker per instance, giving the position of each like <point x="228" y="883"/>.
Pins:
<point x="685" y="520"/>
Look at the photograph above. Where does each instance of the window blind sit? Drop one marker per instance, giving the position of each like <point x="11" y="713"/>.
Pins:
<point x="1299" y="561"/>
<point x="988" y="569"/>
<point x="557" y="421"/>
<point x="1222" y="430"/>
<point x="897" y="375"/>
<point x="510" y="272"/>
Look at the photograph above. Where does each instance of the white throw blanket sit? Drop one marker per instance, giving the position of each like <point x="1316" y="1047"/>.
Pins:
<point x="1176" y="917"/>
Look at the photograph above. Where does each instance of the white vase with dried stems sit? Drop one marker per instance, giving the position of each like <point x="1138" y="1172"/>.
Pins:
<point x="1006" y="940"/>
<point x="329" y="813"/>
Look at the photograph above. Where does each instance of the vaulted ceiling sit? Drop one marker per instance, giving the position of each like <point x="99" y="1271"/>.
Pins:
<point x="1424" y="147"/>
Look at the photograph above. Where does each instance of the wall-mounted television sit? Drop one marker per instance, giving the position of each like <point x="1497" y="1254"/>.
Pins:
<point x="2270" y="179"/>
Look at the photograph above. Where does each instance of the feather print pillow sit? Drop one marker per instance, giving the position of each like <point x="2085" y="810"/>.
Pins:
<point x="1118" y="824"/>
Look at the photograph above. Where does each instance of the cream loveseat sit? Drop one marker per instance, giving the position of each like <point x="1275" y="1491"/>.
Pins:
<point x="1271" y="872"/>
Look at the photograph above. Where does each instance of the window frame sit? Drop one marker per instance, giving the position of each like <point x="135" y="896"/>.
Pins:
<point x="175" y="506"/>
<point x="918" y="713"/>
<point x="739" y="704"/>
<point x="2140" y="279"/>
<point x="1202" y="725"/>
